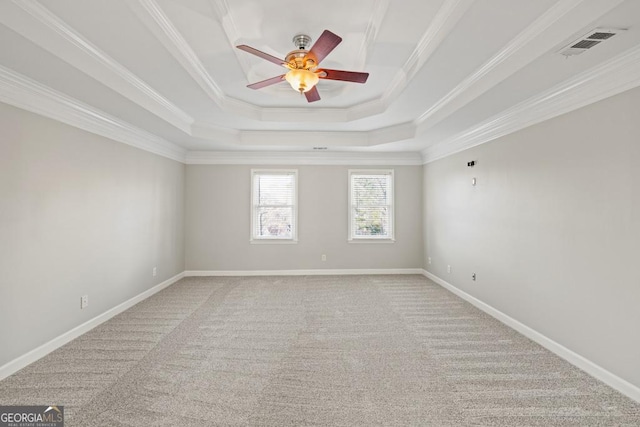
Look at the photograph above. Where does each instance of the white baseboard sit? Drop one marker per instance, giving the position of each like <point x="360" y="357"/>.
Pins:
<point x="575" y="359"/>
<point x="319" y="272"/>
<point x="20" y="362"/>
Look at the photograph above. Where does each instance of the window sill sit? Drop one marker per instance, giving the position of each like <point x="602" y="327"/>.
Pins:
<point x="364" y="241"/>
<point x="273" y="242"/>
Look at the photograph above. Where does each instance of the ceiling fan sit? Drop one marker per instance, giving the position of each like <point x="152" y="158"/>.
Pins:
<point x="304" y="74"/>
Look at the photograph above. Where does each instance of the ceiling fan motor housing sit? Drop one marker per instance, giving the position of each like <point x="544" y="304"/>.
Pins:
<point x="299" y="59"/>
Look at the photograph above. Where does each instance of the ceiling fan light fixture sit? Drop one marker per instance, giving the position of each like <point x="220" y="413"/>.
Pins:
<point x="302" y="80"/>
<point x="304" y="74"/>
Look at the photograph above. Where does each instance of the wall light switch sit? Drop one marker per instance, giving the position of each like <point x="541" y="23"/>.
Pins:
<point x="473" y="181"/>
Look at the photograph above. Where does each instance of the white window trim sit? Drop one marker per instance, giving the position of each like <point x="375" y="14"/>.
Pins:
<point x="272" y="240"/>
<point x="371" y="239"/>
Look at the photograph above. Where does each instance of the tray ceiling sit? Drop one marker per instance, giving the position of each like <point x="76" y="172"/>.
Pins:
<point x="164" y="75"/>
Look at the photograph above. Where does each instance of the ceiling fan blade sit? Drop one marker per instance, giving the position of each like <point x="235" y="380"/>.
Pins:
<point x="261" y="54"/>
<point x="265" y="83"/>
<point x="346" y="76"/>
<point x="312" y="95"/>
<point x="324" y="45"/>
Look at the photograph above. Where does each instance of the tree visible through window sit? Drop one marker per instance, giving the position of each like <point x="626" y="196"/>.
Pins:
<point x="371" y="204"/>
<point x="274" y="211"/>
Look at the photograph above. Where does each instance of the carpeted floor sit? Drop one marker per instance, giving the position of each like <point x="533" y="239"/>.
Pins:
<point x="314" y="350"/>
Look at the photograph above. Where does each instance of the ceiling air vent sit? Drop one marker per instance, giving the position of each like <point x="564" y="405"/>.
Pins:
<point x="585" y="44"/>
<point x="589" y="40"/>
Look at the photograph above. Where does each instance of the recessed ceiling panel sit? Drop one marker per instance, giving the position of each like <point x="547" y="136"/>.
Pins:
<point x="437" y="69"/>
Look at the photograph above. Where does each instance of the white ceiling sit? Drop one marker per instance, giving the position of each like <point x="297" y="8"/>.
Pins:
<point x="445" y="75"/>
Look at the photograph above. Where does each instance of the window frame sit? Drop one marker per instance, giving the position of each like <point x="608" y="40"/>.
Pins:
<point x="390" y="238"/>
<point x="253" y="207"/>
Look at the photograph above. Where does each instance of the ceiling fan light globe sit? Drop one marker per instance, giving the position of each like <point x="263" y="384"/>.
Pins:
<point x="302" y="80"/>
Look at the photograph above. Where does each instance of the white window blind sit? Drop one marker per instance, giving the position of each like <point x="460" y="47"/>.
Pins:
<point x="274" y="205"/>
<point x="371" y="204"/>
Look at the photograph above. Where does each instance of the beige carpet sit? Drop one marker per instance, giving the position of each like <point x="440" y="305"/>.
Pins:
<point x="315" y="350"/>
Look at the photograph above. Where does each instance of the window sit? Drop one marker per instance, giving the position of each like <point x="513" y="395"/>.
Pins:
<point x="371" y="204"/>
<point x="274" y="210"/>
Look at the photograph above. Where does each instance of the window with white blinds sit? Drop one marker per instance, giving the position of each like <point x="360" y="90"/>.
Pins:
<point x="371" y="204"/>
<point x="274" y="210"/>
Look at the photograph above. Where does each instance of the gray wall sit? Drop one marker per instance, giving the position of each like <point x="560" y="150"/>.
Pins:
<point x="79" y="214"/>
<point x="217" y="225"/>
<point x="552" y="229"/>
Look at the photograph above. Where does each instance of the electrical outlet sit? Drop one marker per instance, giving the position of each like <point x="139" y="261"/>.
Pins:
<point x="84" y="301"/>
<point x="473" y="277"/>
<point x="448" y="269"/>
<point x="429" y="260"/>
<point x="155" y="271"/>
<point x="324" y="257"/>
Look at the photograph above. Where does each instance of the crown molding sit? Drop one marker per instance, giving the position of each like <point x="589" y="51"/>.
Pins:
<point x="28" y="94"/>
<point x="150" y="12"/>
<point x="54" y="35"/>
<point x="615" y="76"/>
<point x="23" y="92"/>
<point x="322" y="115"/>
<point x="223" y="13"/>
<point x="537" y="39"/>
<point x="379" y="11"/>
<point x="395" y="133"/>
<point x="303" y="158"/>
<point x="304" y="138"/>
<point x="443" y="22"/>
<point x="214" y="133"/>
<point x="185" y="55"/>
